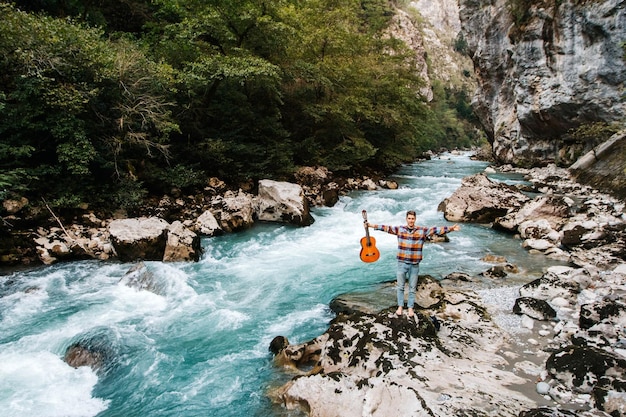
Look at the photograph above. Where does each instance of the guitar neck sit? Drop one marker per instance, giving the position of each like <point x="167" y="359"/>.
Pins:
<point x="367" y="232"/>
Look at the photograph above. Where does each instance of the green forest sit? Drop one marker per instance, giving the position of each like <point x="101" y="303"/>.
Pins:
<point x="105" y="102"/>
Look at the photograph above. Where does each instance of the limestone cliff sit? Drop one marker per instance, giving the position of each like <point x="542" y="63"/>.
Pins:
<point x="544" y="68"/>
<point x="430" y="28"/>
<point x="440" y="26"/>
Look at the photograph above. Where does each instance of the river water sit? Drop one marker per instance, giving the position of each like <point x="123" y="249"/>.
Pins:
<point x="200" y="346"/>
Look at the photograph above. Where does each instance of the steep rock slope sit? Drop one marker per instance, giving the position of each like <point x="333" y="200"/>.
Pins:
<point x="545" y="67"/>
<point x="430" y="28"/>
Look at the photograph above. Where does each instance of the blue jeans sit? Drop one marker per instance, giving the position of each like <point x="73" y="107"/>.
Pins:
<point x="406" y="270"/>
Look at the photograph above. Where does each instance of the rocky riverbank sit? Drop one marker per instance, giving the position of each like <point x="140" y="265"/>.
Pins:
<point x="454" y="358"/>
<point x="167" y="228"/>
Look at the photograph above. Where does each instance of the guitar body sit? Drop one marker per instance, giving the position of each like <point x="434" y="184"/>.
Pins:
<point x="369" y="252"/>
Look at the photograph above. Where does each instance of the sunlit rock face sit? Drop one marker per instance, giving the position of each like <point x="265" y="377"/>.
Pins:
<point x="542" y="70"/>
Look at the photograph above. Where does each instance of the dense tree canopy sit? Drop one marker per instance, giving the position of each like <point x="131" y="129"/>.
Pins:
<point x="104" y="101"/>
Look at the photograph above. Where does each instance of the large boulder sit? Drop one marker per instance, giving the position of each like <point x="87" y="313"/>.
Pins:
<point x="207" y="225"/>
<point x="234" y="211"/>
<point x="533" y="308"/>
<point x="182" y="244"/>
<point x="282" y="202"/>
<point x="608" y="311"/>
<point x="551" y="208"/>
<point x="551" y="285"/>
<point x="481" y="200"/>
<point x="153" y="239"/>
<point x="583" y="368"/>
<point x="139" y="238"/>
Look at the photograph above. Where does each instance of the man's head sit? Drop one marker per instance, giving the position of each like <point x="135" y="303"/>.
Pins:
<point x="410" y="218"/>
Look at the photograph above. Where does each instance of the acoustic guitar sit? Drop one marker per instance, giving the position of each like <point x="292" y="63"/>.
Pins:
<point x="369" y="252"/>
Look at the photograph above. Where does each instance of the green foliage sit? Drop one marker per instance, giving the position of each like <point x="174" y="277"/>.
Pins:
<point x="519" y="10"/>
<point x="455" y="119"/>
<point x="460" y="44"/>
<point x="141" y="114"/>
<point x="49" y="68"/>
<point x="13" y="181"/>
<point x="350" y="96"/>
<point x="182" y="176"/>
<point x="112" y="15"/>
<point x="74" y="104"/>
<point x="128" y="193"/>
<point x="594" y="133"/>
<point x="95" y="109"/>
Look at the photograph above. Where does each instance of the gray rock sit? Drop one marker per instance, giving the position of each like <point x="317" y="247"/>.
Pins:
<point x="481" y="200"/>
<point x="544" y="70"/>
<point x="282" y="202"/>
<point x="139" y="239"/>
<point x="552" y="209"/>
<point x="206" y="224"/>
<point x="583" y="368"/>
<point x="550" y="286"/>
<point x="549" y="412"/>
<point x="533" y="308"/>
<point x="380" y="364"/>
<point x="182" y="244"/>
<point x="234" y="211"/>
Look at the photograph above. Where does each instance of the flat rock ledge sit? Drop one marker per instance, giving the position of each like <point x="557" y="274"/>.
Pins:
<point x="384" y="365"/>
<point x="452" y="359"/>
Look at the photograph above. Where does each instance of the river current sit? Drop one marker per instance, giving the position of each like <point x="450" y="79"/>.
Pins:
<point x="200" y="346"/>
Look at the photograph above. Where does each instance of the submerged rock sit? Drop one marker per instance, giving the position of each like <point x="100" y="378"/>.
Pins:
<point x="141" y="278"/>
<point x="94" y="349"/>
<point x="79" y="354"/>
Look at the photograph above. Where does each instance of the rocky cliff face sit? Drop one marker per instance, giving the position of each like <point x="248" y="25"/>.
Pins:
<point x="430" y="28"/>
<point x="545" y="67"/>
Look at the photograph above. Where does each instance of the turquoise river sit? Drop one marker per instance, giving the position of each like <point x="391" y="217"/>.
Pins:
<point x="200" y="346"/>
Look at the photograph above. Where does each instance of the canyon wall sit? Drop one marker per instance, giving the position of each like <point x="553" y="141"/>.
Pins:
<point x="545" y="68"/>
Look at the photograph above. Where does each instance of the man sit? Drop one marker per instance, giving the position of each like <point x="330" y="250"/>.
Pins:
<point x="410" y="243"/>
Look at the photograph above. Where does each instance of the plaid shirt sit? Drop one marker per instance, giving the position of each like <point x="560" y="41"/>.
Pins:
<point x="411" y="241"/>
